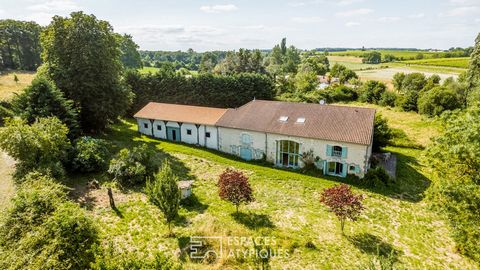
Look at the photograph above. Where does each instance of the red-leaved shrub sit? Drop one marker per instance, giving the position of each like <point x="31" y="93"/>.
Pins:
<point x="233" y="186"/>
<point x="343" y="203"/>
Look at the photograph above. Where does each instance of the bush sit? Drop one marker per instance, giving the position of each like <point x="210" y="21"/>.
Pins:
<point x="438" y="100"/>
<point x="132" y="167"/>
<point x="382" y="134"/>
<point x="387" y="99"/>
<point x="42" y="230"/>
<point x="341" y="93"/>
<point x="376" y="177"/>
<point x="89" y="155"/>
<point x="109" y="259"/>
<point x="42" y="146"/>
<point x="372" y="91"/>
<point x="407" y="101"/>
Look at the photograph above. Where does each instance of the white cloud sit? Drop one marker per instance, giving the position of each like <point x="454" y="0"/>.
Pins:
<point x="464" y="2"/>
<point x="297" y="4"/>
<point x="218" y="8"/>
<point x="352" y="24"/>
<point x="354" y="12"/>
<point x="417" y="16"/>
<point x="51" y="6"/>
<point x="461" y="11"/>
<point x="388" y="19"/>
<point x="348" y="2"/>
<point x="314" y="19"/>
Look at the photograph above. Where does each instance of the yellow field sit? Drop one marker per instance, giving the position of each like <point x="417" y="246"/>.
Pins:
<point x="8" y="86"/>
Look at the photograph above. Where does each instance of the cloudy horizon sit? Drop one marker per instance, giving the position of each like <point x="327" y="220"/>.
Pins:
<point x="226" y="25"/>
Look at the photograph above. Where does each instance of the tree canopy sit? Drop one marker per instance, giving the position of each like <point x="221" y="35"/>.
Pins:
<point x="19" y="45"/>
<point x="82" y="56"/>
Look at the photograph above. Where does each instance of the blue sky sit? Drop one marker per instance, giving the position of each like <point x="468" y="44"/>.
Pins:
<point x="307" y="24"/>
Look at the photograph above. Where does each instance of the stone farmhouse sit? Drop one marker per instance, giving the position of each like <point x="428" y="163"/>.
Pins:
<point x="338" y="139"/>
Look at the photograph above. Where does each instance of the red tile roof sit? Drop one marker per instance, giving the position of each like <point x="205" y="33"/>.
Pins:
<point x="326" y="122"/>
<point x="180" y="113"/>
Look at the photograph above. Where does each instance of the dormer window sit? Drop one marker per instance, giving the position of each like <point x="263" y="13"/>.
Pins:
<point x="301" y="120"/>
<point x="283" y="118"/>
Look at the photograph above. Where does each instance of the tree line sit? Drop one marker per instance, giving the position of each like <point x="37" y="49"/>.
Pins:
<point x="19" y="45"/>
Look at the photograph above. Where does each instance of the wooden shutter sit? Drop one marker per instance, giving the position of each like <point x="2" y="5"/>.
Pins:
<point x="344" y="152"/>
<point x="329" y="150"/>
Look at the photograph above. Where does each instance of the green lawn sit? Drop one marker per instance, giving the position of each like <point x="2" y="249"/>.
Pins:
<point x="397" y="220"/>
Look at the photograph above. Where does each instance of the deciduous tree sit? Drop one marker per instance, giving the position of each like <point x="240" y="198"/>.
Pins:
<point x="82" y="56"/>
<point x="233" y="186"/>
<point x="343" y="203"/>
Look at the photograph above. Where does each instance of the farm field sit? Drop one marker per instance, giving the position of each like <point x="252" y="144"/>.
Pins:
<point x="397" y="221"/>
<point x="7" y="188"/>
<point x="8" y="86"/>
<point x="406" y="54"/>
<point x="384" y="72"/>
<point x="460" y="62"/>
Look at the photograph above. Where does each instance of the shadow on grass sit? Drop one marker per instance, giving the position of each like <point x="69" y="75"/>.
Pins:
<point x="374" y="245"/>
<point x="253" y="221"/>
<point x="410" y="184"/>
<point x="193" y="204"/>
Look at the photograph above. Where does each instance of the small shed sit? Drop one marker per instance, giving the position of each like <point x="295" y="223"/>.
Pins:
<point x="185" y="188"/>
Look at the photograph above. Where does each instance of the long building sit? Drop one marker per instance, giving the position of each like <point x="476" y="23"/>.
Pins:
<point x="339" y="137"/>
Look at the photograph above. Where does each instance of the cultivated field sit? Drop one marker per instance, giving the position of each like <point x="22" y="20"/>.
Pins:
<point x="460" y="62"/>
<point x="8" y="86"/>
<point x="406" y="54"/>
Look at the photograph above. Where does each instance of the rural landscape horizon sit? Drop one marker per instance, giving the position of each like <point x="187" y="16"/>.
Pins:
<point x="290" y="134"/>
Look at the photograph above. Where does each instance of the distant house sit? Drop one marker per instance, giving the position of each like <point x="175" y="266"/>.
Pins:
<point x="340" y="137"/>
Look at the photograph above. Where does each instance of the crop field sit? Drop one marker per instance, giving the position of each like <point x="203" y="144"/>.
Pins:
<point x="406" y="54"/>
<point x="460" y="62"/>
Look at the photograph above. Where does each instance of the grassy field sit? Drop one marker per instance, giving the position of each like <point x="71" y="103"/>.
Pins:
<point x="384" y="72"/>
<point x="417" y="129"/>
<point x="461" y="62"/>
<point x="397" y="53"/>
<point x="154" y="70"/>
<point x="8" y="86"/>
<point x="397" y="222"/>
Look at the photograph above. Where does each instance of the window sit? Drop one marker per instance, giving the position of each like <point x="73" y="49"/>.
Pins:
<point x="246" y="138"/>
<point x="288" y="153"/>
<point x="337" y="151"/>
<point x="301" y="120"/>
<point x="283" y="118"/>
<point x="352" y="167"/>
<point x="207" y="134"/>
<point x="145" y="125"/>
<point x="189" y="132"/>
<point x="159" y="127"/>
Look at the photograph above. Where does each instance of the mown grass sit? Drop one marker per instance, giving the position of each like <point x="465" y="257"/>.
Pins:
<point x="8" y="87"/>
<point x="397" y="221"/>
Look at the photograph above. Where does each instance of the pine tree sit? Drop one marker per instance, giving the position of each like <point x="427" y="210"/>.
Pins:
<point x="163" y="192"/>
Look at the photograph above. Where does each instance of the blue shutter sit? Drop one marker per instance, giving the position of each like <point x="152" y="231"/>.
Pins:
<point x="357" y="169"/>
<point x="344" y="171"/>
<point x="324" y="167"/>
<point x="344" y="152"/>
<point x="329" y="150"/>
